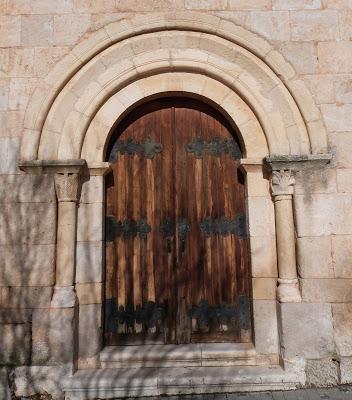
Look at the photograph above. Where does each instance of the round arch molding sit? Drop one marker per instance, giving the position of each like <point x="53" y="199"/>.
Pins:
<point x="190" y="52"/>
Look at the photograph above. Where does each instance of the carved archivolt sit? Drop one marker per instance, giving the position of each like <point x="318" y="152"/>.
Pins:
<point x="64" y="105"/>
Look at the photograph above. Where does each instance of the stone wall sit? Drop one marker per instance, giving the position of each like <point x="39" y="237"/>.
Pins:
<point x="315" y="36"/>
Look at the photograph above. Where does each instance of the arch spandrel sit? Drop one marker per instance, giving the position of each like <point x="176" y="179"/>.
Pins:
<point x="263" y="85"/>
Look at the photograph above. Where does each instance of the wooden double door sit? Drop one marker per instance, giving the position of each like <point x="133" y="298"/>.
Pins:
<point x="176" y="250"/>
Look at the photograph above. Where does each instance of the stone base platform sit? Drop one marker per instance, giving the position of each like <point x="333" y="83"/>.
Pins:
<point x="137" y="382"/>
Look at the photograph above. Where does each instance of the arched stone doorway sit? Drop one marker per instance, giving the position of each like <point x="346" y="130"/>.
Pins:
<point x="176" y="261"/>
<point x="72" y="116"/>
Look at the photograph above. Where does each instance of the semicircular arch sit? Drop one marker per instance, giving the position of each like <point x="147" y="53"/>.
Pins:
<point x="121" y="53"/>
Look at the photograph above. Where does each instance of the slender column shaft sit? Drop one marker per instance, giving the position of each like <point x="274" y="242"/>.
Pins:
<point x="282" y="189"/>
<point x="66" y="185"/>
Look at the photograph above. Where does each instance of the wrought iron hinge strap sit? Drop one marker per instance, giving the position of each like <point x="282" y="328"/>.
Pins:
<point x="215" y="146"/>
<point x="224" y="226"/>
<point x="127" y="228"/>
<point x="149" y="148"/>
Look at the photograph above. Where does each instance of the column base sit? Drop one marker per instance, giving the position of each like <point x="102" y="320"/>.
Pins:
<point x="288" y="291"/>
<point x="64" y="297"/>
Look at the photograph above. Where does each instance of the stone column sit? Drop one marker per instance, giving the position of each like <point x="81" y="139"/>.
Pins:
<point x="67" y="187"/>
<point x="282" y="185"/>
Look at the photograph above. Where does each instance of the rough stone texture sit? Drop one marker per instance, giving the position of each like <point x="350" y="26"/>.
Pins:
<point x="342" y="314"/>
<point x="344" y="180"/>
<point x="322" y="372"/>
<point x="52" y="342"/>
<point x="326" y="290"/>
<point x="265" y="326"/>
<point x="90" y="320"/>
<point x="27" y="265"/>
<point x="15" y="344"/>
<point x="25" y="297"/>
<point x="8" y="155"/>
<point x="342" y="256"/>
<point x="89" y="257"/>
<point x="346" y="370"/>
<point x="306" y="330"/>
<point x="5" y="393"/>
<point x="90" y="222"/>
<point x="40" y="380"/>
<point x="35" y="223"/>
<point x="314" y="257"/>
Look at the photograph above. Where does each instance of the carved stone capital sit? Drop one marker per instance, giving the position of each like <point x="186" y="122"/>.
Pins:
<point x="66" y="186"/>
<point x="282" y="183"/>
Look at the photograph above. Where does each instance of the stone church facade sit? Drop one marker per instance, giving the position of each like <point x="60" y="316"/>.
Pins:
<point x="71" y="71"/>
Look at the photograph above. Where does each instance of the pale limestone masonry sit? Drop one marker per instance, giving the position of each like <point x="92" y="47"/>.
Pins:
<point x="282" y="71"/>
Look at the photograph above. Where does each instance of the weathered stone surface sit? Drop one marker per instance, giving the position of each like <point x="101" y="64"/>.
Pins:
<point x="241" y="5"/>
<point x="306" y="330"/>
<point x="326" y="290"/>
<point x="5" y="392"/>
<point x="205" y="4"/>
<point x="52" y="337"/>
<point x="25" y="297"/>
<point x="263" y="256"/>
<point x="342" y="314"/>
<point x="89" y="257"/>
<point x="10" y="31"/>
<point x="344" y="180"/>
<point x="20" y="62"/>
<point x="11" y="123"/>
<point x="302" y="56"/>
<point x="26" y="188"/>
<point x="323" y="214"/>
<point x="15" y="344"/>
<point x="9" y="148"/>
<point x="40" y="380"/>
<point x="341" y="143"/>
<point x="92" y="190"/>
<point x="314" y="25"/>
<point x="89" y="293"/>
<point x="314" y="258"/>
<point x="4" y="93"/>
<point x="322" y="372"/>
<point x="342" y="256"/>
<point x="37" y="30"/>
<point x="264" y="288"/>
<point x="90" y="320"/>
<point x="273" y="25"/>
<point x="46" y="58"/>
<point x="23" y="265"/>
<point x="265" y="326"/>
<point x="261" y="216"/>
<point x="39" y="6"/>
<point x="335" y="57"/>
<point x="337" y="117"/>
<point x="90" y="222"/>
<point x="20" y="92"/>
<point x="15" y="316"/>
<point x="35" y="223"/>
<point x="346" y="370"/>
<point x="68" y="28"/>
<point x="296" y="4"/>
<point x="315" y="181"/>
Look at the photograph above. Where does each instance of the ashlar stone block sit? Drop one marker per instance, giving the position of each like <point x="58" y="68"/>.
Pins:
<point x="10" y="30"/>
<point x="25" y="297"/>
<point x="9" y="148"/>
<point x="28" y="223"/>
<point x="37" y="30"/>
<point x="265" y="326"/>
<point x="23" y="265"/>
<point x="273" y="25"/>
<point x="306" y="330"/>
<point x="314" y="257"/>
<point x="90" y="320"/>
<point x="342" y="255"/>
<point x="89" y="223"/>
<point x="345" y="370"/>
<point x="39" y="6"/>
<point x="89" y="256"/>
<point x="27" y="188"/>
<point x="337" y="117"/>
<point x="335" y="57"/>
<point x="342" y="314"/>
<point x="314" y="25"/>
<point x="11" y="123"/>
<point x="322" y="372"/>
<point x="296" y="4"/>
<point x="302" y="56"/>
<point x="326" y="290"/>
<point x="69" y="28"/>
<point x="52" y="340"/>
<point x="15" y="344"/>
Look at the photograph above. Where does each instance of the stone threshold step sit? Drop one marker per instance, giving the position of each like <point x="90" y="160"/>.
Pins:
<point x="138" y="382"/>
<point x="204" y="354"/>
